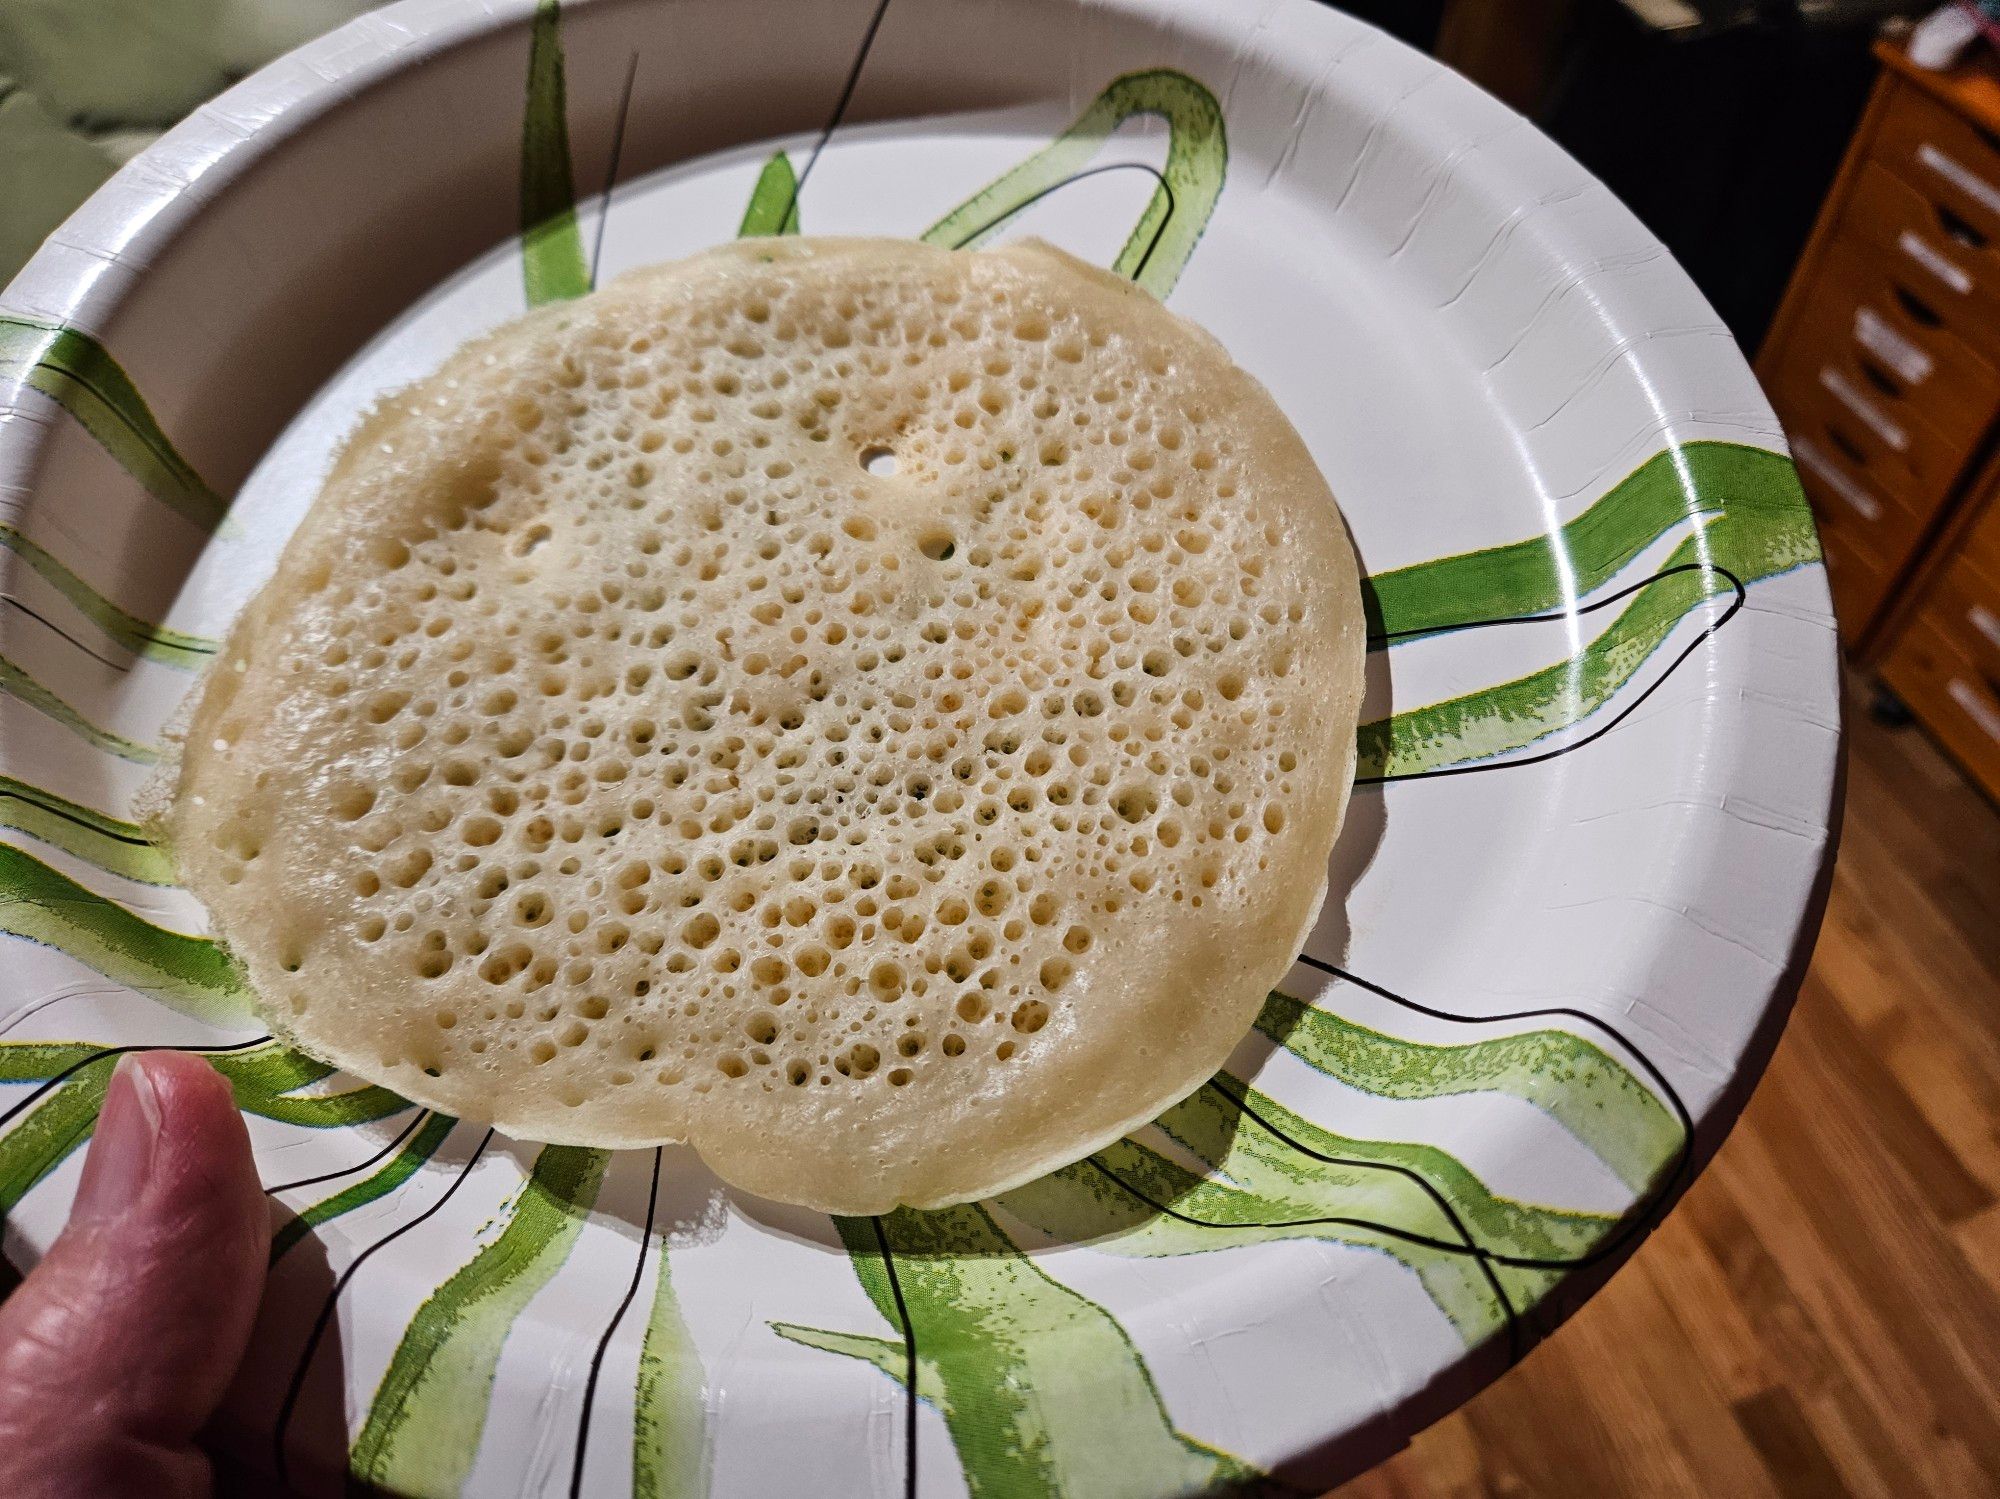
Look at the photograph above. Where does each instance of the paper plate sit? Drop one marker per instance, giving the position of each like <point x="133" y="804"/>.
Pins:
<point x="1570" y="906"/>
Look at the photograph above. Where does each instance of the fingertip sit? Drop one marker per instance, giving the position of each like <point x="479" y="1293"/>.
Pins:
<point x="204" y="1159"/>
<point x="187" y="1082"/>
<point x="141" y="1309"/>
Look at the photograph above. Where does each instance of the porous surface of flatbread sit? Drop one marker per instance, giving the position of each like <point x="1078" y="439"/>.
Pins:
<point x="623" y="753"/>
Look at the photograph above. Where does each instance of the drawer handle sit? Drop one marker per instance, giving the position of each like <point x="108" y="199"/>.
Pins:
<point x="1960" y="176"/>
<point x="1816" y="463"/>
<point x="1877" y="421"/>
<point x="1851" y="450"/>
<point x="1880" y="379"/>
<point x="1919" y="310"/>
<point x="1934" y="260"/>
<point x="1984" y="621"/>
<point x="1958" y="228"/>
<point x="1976" y="707"/>
<point x="1882" y="339"/>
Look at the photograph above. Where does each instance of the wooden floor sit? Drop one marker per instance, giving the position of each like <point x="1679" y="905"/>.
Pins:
<point x="1821" y="1315"/>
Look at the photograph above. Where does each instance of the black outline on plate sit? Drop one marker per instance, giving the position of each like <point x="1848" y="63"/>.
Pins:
<point x="611" y="171"/>
<point x="381" y="1155"/>
<point x="1513" y="762"/>
<point x="1111" y="166"/>
<point x="604" y="1343"/>
<point x="839" y="109"/>
<point x="48" y="1085"/>
<point x="298" y="1381"/>
<point x="81" y="822"/>
<point x="909" y="1360"/>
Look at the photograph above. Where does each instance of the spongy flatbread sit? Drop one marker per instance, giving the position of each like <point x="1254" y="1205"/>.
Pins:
<point x="623" y="755"/>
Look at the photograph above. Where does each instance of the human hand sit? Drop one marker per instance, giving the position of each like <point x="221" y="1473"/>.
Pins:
<point x="116" y="1350"/>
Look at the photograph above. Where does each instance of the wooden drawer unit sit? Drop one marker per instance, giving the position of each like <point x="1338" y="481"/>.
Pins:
<point x="1884" y="361"/>
<point x="1866" y="537"/>
<point x="1884" y="365"/>
<point x="1830" y="390"/>
<point x="1965" y="609"/>
<point x="1859" y="584"/>
<point x="1978" y="550"/>
<point x="1945" y="661"/>
<point x="1907" y="345"/>
<point x="1944" y="684"/>
<point x="1947" y="270"/>
<point x="1953" y="165"/>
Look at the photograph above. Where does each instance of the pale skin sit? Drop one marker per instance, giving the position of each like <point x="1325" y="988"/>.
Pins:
<point x="116" y="1350"/>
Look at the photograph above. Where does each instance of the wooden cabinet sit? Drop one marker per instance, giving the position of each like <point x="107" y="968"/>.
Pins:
<point x="1944" y="660"/>
<point x="1884" y="365"/>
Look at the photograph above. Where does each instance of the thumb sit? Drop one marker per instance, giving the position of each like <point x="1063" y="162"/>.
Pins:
<point x="115" y="1351"/>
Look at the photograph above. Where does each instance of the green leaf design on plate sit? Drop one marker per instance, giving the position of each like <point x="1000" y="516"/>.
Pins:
<point x="189" y="974"/>
<point x="1690" y="482"/>
<point x="553" y="267"/>
<point x="42" y="1141"/>
<point x="187" y="652"/>
<point x="1041" y="1389"/>
<point x="670" y="1443"/>
<point x="1576" y="1083"/>
<point x="1197" y="161"/>
<point x="113" y="845"/>
<point x="262" y="1078"/>
<point x="774" y="204"/>
<point x="74" y="370"/>
<point x="379" y="1183"/>
<point x="267" y="1081"/>
<point x="1259" y="1189"/>
<point x="1757" y="526"/>
<point x="17" y="683"/>
<point x="424" y="1424"/>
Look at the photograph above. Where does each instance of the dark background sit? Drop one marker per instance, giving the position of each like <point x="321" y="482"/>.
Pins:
<point x="1724" y="142"/>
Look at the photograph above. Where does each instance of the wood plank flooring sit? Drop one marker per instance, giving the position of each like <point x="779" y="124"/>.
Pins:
<point x="1821" y="1314"/>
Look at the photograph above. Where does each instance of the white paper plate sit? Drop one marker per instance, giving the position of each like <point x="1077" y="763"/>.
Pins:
<point x="1573" y="917"/>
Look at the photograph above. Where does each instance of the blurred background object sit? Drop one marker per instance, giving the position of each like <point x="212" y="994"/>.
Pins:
<point x="87" y="84"/>
<point x="1721" y="122"/>
<point x="1884" y="364"/>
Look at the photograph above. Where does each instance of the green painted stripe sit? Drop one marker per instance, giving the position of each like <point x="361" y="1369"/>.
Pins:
<point x="1519" y="713"/>
<point x="774" y="204"/>
<point x="187" y="652"/>
<point x="263" y="1080"/>
<point x="1256" y="1181"/>
<point x="74" y="370"/>
<point x="1691" y="482"/>
<point x="42" y="1141"/>
<point x="671" y="1451"/>
<point x="1758" y="527"/>
<point x="266" y="1082"/>
<point x="258" y="1073"/>
<point x="115" y="846"/>
<point x="191" y="974"/>
<point x="38" y="1061"/>
<point x="553" y="268"/>
<point x="17" y="683"/>
<point x="424" y="1424"/>
<point x="1254" y="1160"/>
<point x="63" y="1120"/>
<point x="1576" y="1083"/>
<point x="1042" y="1390"/>
<point x="399" y="1168"/>
<point x="1197" y="162"/>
